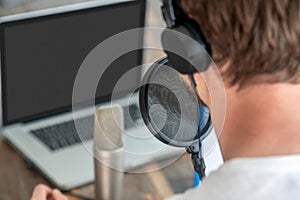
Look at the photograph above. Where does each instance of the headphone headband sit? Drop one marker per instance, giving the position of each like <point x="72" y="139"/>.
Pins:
<point x="168" y="13"/>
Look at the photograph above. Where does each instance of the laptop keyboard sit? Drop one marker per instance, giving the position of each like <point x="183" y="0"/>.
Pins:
<point x="65" y="134"/>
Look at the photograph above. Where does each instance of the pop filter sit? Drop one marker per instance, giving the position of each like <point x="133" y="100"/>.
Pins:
<point x="172" y="111"/>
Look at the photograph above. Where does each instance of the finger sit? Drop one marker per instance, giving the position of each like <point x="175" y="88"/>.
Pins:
<point x="40" y="192"/>
<point x="57" y="195"/>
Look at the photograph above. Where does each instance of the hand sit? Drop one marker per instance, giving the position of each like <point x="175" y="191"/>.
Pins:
<point x="43" y="192"/>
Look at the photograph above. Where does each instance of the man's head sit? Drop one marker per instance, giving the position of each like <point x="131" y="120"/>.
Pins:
<point x="258" y="39"/>
<point x="255" y="44"/>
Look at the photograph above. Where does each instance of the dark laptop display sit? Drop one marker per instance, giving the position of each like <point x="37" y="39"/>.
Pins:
<point x="40" y="58"/>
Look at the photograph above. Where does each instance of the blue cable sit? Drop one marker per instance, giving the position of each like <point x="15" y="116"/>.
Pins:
<point x="197" y="180"/>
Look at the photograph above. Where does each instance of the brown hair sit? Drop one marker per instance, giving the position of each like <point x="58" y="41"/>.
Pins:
<point x="256" y="37"/>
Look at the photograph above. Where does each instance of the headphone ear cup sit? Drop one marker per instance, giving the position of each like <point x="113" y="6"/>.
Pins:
<point x="184" y="47"/>
<point x="196" y="33"/>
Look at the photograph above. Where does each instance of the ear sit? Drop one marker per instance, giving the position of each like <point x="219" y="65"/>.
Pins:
<point x="202" y="89"/>
<point x="223" y="69"/>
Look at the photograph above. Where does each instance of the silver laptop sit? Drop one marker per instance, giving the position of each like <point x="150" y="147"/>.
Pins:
<point x="41" y="53"/>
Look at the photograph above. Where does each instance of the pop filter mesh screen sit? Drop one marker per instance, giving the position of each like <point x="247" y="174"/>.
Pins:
<point x="172" y="105"/>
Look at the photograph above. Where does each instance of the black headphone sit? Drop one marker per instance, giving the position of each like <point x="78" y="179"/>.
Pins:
<point x="177" y="20"/>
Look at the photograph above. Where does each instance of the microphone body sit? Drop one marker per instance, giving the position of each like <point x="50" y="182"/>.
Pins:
<point x="109" y="153"/>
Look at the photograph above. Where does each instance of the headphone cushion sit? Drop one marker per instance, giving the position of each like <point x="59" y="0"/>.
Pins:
<point x="184" y="51"/>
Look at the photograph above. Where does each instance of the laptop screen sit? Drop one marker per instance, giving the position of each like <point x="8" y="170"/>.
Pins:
<point x="40" y="57"/>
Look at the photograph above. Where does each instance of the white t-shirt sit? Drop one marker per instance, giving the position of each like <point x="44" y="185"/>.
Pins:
<point x="262" y="178"/>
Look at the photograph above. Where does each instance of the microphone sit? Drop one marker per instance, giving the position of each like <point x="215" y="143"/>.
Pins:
<point x="108" y="152"/>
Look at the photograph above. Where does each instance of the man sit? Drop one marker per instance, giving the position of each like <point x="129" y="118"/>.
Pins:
<point x="255" y="44"/>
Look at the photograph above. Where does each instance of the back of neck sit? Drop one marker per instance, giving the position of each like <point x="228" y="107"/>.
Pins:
<point x="262" y="120"/>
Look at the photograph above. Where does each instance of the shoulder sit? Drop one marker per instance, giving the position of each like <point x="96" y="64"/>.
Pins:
<point x="213" y="187"/>
<point x="258" y="178"/>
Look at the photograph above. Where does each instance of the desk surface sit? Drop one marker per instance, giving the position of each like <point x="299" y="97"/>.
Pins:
<point x="17" y="179"/>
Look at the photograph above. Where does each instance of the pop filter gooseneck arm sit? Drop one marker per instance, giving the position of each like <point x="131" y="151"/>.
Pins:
<point x="196" y="149"/>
